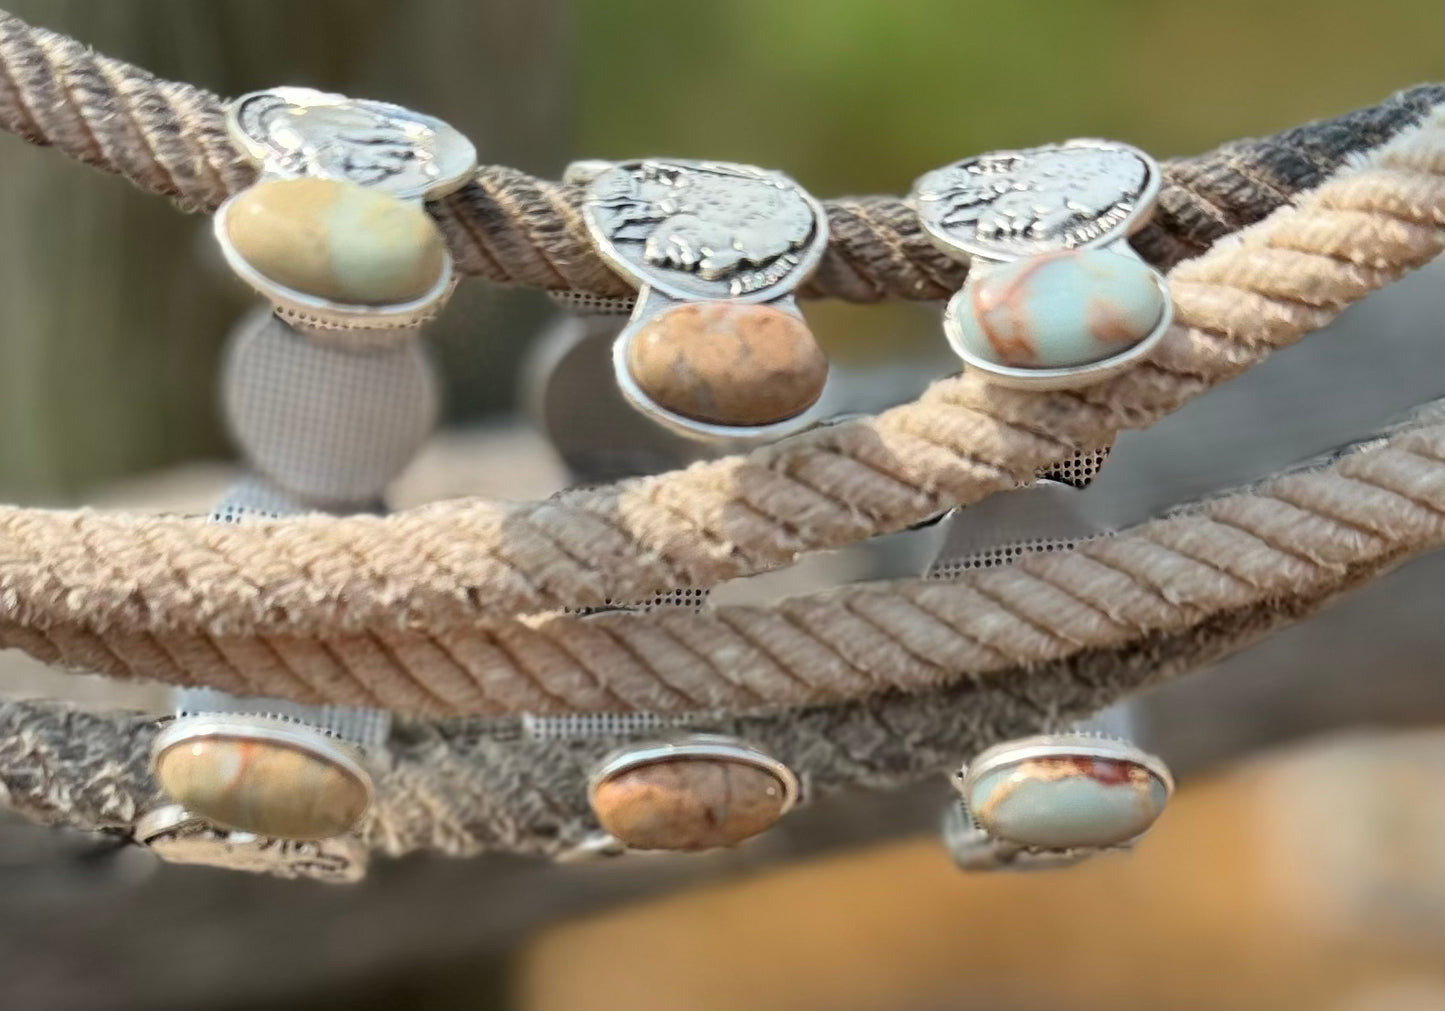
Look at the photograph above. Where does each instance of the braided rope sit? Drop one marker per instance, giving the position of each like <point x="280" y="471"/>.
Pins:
<point x="1294" y="538"/>
<point x="465" y="786"/>
<point x="169" y="138"/>
<point x="178" y="599"/>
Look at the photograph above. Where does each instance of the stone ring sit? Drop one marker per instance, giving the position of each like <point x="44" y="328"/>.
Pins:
<point x="1053" y="799"/>
<point x="334" y="232"/>
<point x="715" y="348"/>
<point x="266" y="766"/>
<point x="1055" y="297"/>
<point x="688" y="793"/>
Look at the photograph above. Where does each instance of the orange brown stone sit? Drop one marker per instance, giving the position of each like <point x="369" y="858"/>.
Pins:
<point x="728" y="364"/>
<point x="688" y="804"/>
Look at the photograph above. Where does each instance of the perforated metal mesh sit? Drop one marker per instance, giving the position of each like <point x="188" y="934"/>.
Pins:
<point x="364" y="727"/>
<point x="1079" y="469"/>
<point x="584" y="304"/>
<point x="328" y="424"/>
<point x="1004" y="554"/>
<point x="594" y="725"/>
<point x="690" y="600"/>
<point x="322" y="421"/>
<point x="254" y="497"/>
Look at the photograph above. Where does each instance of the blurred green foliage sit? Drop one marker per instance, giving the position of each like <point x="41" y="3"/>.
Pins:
<point x="861" y="95"/>
<point x="858" y="96"/>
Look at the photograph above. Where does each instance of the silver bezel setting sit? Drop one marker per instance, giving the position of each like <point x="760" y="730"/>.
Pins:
<point x="296" y="736"/>
<point x="310" y="310"/>
<point x="691" y="428"/>
<point x="715" y="746"/>
<point x="1063" y="377"/>
<point x="1027" y="749"/>
<point x="974" y="848"/>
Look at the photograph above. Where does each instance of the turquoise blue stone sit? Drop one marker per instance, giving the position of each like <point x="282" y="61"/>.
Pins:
<point x="1060" y="803"/>
<point x="1060" y="310"/>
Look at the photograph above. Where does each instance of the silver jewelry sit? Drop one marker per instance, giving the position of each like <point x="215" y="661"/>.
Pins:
<point x="1084" y="306"/>
<point x="715" y="347"/>
<point x="269" y="774"/>
<point x="1054" y="799"/>
<point x="350" y="177"/>
<point x="178" y="836"/>
<point x="692" y="792"/>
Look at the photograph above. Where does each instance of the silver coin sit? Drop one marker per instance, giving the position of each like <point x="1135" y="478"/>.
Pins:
<point x="705" y="230"/>
<point x="297" y="132"/>
<point x="177" y="836"/>
<point x="1006" y="205"/>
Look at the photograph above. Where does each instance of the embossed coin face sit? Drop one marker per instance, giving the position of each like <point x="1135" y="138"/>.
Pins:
<point x="180" y="837"/>
<point x="705" y="230"/>
<point x="1006" y="205"/>
<point x="296" y="132"/>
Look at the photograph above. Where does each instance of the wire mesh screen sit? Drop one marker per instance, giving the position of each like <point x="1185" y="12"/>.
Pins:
<point x="584" y="304"/>
<point x="1079" y="469"/>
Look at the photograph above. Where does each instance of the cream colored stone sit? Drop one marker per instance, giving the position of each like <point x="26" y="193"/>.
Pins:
<point x="728" y="364"/>
<point x="337" y="240"/>
<point x="688" y="804"/>
<point x="263" y="787"/>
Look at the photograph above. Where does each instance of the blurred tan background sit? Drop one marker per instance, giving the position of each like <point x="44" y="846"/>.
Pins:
<point x="1300" y="865"/>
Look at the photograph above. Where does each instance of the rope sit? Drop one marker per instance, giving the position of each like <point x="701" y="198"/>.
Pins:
<point x="451" y="609"/>
<point x="465" y="786"/>
<point x="169" y="138"/>
<point x="181" y="600"/>
<point x="1296" y="537"/>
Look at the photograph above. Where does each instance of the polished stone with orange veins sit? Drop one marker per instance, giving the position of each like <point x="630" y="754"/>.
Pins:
<point x="688" y="803"/>
<point x="263" y="787"/>
<point x="1061" y="802"/>
<point x="726" y="363"/>
<point x="1061" y="309"/>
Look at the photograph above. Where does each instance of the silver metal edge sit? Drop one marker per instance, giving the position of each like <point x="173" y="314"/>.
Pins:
<point x="1008" y="753"/>
<point x="161" y="820"/>
<point x="259" y="728"/>
<point x="340" y="315"/>
<point x="696" y="746"/>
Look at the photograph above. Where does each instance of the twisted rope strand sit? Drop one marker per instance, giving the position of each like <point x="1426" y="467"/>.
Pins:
<point x="1144" y="614"/>
<point x="1295" y="536"/>
<point x="455" y="565"/>
<point x="169" y="138"/>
